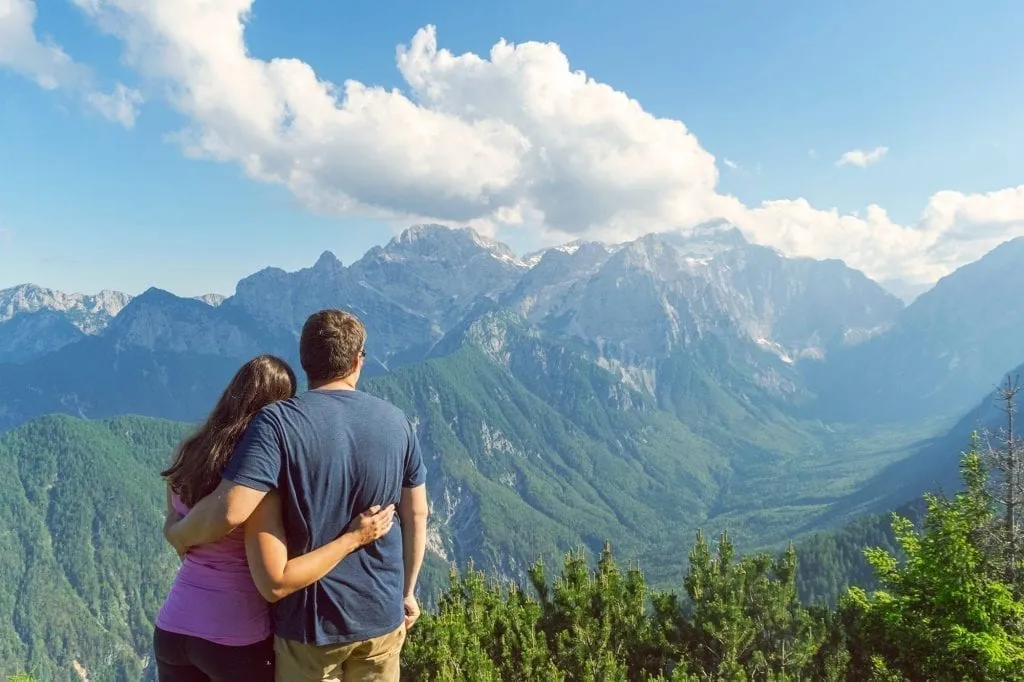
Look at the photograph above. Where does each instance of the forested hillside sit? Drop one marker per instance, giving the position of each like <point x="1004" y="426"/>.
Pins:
<point x="535" y="451"/>
<point x="83" y="566"/>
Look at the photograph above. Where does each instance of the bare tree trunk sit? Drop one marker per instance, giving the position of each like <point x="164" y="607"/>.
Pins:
<point x="1011" y="470"/>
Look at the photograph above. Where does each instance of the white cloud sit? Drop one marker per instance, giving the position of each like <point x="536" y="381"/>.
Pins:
<point x="861" y="158"/>
<point x="512" y="140"/>
<point x="729" y="163"/>
<point x="51" y="68"/>
<point x="121" y="105"/>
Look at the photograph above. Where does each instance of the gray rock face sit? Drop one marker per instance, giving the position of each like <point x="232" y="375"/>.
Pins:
<point x="438" y="271"/>
<point x="282" y="301"/>
<point x="33" y="334"/>
<point x="408" y="292"/>
<point x="555" y="276"/>
<point x="212" y="300"/>
<point x="662" y="292"/>
<point x="89" y="313"/>
<point x="800" y="307"/>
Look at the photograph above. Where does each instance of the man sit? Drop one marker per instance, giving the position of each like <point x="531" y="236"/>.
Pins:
<point x="330" y="453"/>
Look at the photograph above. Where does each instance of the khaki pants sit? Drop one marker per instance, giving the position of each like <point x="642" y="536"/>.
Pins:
<point x="374" y="660"/>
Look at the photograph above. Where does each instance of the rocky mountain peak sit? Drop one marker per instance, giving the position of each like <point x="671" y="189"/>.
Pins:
<point x="328" y="262"/>
<point x="445" y="243"/>
<point x="152" y="302"/>
<point x="158" y="320"/>
<point x="654" y="253"/>
<point x="707" y="240"/>
<point x="155" y="295"/>
<point x="437" y="272"/>
<point x="90" y="313"/>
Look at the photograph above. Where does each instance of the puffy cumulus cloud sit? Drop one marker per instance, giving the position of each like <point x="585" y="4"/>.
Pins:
<point x="861" y="158"/>
<point x="591" y="158"/>
<point x="50" y="66"/>
<point x="515" y="139"/>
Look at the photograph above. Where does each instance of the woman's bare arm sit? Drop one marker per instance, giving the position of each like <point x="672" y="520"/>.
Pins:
<point x="275" y="575"/>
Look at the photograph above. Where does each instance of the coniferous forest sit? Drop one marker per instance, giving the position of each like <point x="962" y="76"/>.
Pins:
<point x="945" y="605"/>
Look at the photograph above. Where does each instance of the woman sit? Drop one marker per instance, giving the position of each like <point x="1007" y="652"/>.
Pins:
<point x="215" y="623"/>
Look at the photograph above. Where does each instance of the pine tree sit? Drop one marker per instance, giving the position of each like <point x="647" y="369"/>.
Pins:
<point x="942" y="615"/>
<point x="747" y="621"/>
<point x="597" y="621"/>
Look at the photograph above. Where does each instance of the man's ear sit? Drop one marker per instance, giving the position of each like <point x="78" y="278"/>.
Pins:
<point x="357" y="368"/>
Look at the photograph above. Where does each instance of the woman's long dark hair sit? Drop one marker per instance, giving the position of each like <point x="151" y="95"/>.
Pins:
<point x="201" y="457"/>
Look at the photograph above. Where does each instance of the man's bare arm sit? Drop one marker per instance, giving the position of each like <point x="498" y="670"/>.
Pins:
<point x="214" y="516"/>
<point x="171" y="517"/>
<point x="412" y="512"/>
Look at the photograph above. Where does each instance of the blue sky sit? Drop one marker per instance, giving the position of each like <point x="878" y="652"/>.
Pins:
<point x="88" y="203"/>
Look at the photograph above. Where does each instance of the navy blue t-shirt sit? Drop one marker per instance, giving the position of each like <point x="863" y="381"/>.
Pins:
<point x="332" y="455"/>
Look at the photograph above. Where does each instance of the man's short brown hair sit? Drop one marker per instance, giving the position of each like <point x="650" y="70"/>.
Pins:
<point x="330" y="345"/>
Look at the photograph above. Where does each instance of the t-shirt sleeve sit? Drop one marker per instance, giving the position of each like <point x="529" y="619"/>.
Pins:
<point x="415" y="469"/>
<point x="256" y="461"/>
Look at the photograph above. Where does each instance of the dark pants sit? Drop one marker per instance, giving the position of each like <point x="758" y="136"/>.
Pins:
<point x="181" y="658"/>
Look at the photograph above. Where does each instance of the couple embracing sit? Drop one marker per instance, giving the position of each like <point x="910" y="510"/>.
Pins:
<point x="291" y="500"/>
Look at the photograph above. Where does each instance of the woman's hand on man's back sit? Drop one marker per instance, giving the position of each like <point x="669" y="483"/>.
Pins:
<point x="372" y="524"/>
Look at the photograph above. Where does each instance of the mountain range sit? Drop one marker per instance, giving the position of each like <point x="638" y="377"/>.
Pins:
<point x="588" y="392"/>
<point x="758" y="357"/>
<point x="816" y="336"/>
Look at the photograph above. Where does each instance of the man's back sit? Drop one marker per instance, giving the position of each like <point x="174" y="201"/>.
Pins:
<point x="332" y="454"/>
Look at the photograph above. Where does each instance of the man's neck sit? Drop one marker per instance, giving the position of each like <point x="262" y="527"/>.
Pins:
<point x="343" y="384"/>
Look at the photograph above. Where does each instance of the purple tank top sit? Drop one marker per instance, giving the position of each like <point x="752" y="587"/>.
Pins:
<point x="213" y="596"/>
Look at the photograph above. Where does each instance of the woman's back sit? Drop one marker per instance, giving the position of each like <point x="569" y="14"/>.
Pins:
<point x="213" y="596"/>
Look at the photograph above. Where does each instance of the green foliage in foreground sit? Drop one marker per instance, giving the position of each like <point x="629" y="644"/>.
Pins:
<point x="741" y="620"/>
<point x="944" y="613"/>
<point x="947" y="612"/>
